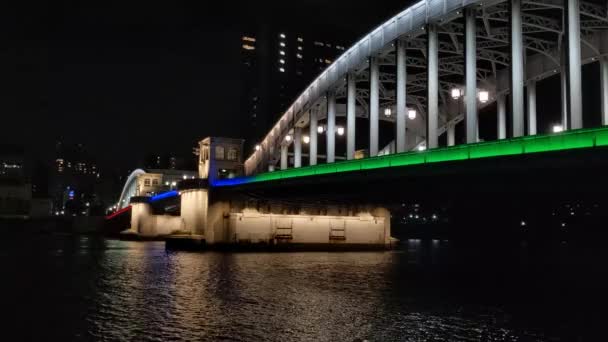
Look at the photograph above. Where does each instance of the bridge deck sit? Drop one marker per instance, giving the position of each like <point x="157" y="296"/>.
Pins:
<point x="575" y="139"/>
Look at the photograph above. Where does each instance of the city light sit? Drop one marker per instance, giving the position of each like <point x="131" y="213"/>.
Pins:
<point x="411" y="114"/>
<point x="340" y="130"/>
<point x="456" y="93"/>
<point x="558" y="128"/>
<point x="388" y="112"/>
<point x="320" y="129"/>
<point x="484" y="96"/>
<point x="306" y="139"/>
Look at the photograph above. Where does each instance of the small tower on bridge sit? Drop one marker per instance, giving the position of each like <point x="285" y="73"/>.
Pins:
<point x="220" y="158"/>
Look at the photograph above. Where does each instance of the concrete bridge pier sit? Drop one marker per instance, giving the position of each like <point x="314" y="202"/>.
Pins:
<point x="224" y="220"/>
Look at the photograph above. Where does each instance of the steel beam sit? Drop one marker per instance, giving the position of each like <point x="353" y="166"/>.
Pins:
<point x="331" y="127"/>
<point x="374" y="105"/>
<point x="470" y="76"/>
<point x="573" y="66"/>
<point x="517" y="69"/>
<point x="312" y="147"/>
<point x="432" y="86"/>
<point x="401" y="97"/>
<point x="351" y="112"/>
<point x="531" y="107"/>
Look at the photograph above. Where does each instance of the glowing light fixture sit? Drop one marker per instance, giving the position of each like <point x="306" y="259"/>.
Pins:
<point x="257" y="147"/>
<point x="411" y="114"/>
<point x="288" y="138"/>
<point x="456" y="93"/>
<point x="388" y="112"/>
<point x="422" y="148"/>
<point x="558" y="128"/>
<point x="306" y="139"/>
<point x="340" y="130"/>
<point x="320" y="129"/>
<point x="484" y="96"/>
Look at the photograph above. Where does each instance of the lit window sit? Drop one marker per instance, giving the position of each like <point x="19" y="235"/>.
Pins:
<point x="299" y="56"/>
<point x="300" y="39"/>
<point x="282" y="35"/>
<point x="282" y="69"/>
<point x="233" y="154"/>
<point x="282" y="53"/>
<point x="282" y="61"/>
<point x="147" y="182"/>
<point x="300" y="48"/>
<point x="328" y="45"/>
<point x="319" y="44"/>
<point x="155" y="181"/>
<point x="219" y="152"/>
<point x="282" y="44"/>
<point x="327" y="61"/>
<point x="248" y="47"/>
<point x="248" y="39"/>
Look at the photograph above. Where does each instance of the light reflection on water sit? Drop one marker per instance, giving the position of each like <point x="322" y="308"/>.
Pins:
<point x="95" y="289"/>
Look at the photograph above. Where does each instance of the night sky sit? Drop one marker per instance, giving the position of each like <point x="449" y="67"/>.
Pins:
<point x="129" y="78"/>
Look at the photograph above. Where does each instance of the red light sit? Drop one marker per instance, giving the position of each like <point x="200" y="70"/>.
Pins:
<point x="121" y="211"/>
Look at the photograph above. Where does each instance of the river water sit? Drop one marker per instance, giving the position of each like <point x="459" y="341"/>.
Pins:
<point x="64" y="288"/>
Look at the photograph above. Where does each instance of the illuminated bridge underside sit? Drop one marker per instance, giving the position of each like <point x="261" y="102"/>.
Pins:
<point x="544" y="38"/>
<point x="573" y="140"/>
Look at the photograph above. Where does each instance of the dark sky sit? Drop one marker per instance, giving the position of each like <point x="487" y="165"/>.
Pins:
<point x="128" y="78"/>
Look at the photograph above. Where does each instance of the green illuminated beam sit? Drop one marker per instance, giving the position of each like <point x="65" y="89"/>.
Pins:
<point x="576" y="139"/>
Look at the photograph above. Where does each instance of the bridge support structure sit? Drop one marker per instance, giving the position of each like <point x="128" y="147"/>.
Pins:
<point x="225" y="221"/>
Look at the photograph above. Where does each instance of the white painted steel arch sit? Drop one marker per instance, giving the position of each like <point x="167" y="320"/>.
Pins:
<point x="130" y="189"/>
<point x="543" y="33"/>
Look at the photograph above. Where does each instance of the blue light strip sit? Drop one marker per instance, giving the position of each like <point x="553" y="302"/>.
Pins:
<point x="164" y="195"/>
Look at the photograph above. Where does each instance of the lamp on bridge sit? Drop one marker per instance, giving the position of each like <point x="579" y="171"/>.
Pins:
<point x="288" y="138"/>
<point x="411" y="114"/>
<point x="388" y="112"/>
<point x="320" y="129"/>
<point x="484" y="96"/>
<point x="306" y="139"/>
<point x="257" y="147"/>
<point x="340" y="130"/>
<point x="558" y="128"/>
<point x="456" y="93"/>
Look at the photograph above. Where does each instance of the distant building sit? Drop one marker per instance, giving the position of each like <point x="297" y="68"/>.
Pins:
<point x="16" y="189"/>
<point x="73" y="180"/>
<point x="276" y="67"/>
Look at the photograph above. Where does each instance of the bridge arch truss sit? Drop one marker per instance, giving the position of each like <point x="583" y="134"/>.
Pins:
<point x="414" y="60"/>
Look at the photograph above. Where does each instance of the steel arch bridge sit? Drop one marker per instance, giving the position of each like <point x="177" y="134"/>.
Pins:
<point x="414" y="61"/>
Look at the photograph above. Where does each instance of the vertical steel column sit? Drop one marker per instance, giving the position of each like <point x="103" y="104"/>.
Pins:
<point x="312" y="148"/>
<point x="517" y="69"/>
<point x="470" y="76"/>
<point x="604" y="88"/>
<point x="532" y="108"/>
<point x="401" y="96"/>
<point x="331" y="127"/>
<point x="432" y="86"/>
<point x="502" y="116"/>
<point x="451" y="134"/>
<point x="374" y="105"/>
<point x="351" y="94"/>
<point x="284" y="160"/>
<point x="297" y="147"/>
<point x="564" y="86"/>
<point x="573" y="64"/>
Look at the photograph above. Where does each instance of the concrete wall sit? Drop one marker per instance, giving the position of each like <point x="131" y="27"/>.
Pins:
<point x="146" y="224"/>
<point x="194" y="207"/>
<point x="252" y="226"/>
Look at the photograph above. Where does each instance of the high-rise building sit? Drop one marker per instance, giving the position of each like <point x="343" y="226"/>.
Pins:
<point x="73" y="179"/>
<point x="276" y="66"/>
